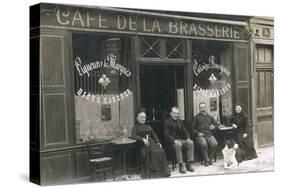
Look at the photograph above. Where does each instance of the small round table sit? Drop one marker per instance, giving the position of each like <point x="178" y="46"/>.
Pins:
<point x="226" y="131"/>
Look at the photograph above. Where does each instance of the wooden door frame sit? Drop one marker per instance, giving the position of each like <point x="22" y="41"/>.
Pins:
<point x="186" y="63"/>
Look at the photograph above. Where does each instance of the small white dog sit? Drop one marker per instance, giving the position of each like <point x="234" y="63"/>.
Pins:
<point x="229" y="153"/>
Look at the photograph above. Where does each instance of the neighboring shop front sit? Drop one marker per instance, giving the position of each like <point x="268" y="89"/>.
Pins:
<point x="262" y="58"/>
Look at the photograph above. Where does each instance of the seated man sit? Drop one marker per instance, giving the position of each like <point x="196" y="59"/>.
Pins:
<point x="178" y="137"/>
<point x="202" y="126"/>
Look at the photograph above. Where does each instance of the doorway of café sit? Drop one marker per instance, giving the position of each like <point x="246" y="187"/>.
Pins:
<point x="161" y="87"/>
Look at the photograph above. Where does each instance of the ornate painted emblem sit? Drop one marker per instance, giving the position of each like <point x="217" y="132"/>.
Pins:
<point x="104" y="81"/>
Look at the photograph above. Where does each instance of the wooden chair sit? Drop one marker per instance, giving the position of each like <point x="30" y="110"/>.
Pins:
<point x="98" y="162"/>
<point x="171" y="155"/>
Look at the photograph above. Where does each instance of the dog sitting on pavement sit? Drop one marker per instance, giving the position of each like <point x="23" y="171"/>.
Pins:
<point x="229" y="154"/>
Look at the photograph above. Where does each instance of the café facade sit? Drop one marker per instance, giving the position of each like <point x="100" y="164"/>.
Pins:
<point x="93" y="68"/>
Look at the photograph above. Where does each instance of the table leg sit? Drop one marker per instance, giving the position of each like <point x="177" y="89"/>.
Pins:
<point x="124" y="177"/>
<point x="124" y="161"/>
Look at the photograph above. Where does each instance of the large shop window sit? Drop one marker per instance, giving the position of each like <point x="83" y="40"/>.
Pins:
<point x="213" y="77"/>
<point x="102" y="85"/>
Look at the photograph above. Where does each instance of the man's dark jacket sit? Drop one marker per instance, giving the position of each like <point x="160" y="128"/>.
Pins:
<point x="201" y="123"/>
<point x="175" y="129"/>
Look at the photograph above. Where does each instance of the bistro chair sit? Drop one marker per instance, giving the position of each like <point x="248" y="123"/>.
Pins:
<point x="98" y="162"/>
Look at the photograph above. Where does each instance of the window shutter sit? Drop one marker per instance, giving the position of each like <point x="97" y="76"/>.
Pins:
<point x="242" y="76"/>
<point x="55" y="90"/>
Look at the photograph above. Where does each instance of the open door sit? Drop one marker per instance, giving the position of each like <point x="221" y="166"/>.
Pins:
<point x="162" y="87"/>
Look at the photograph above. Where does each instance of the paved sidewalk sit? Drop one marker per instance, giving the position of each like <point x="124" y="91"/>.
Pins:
<point x="264" y="162"/>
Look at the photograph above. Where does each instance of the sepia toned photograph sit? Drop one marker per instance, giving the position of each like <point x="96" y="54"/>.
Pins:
<point x="120" y="94"/>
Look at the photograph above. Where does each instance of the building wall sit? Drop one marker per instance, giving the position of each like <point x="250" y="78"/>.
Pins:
<point x="54" y="133"/>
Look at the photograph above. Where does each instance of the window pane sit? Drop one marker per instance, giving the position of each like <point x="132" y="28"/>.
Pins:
<point x="103" y="94"/>
<point x="261" y="57"/>
<point x="269" y="88"/>
<point x="257" y="89"/>
<point x="150" y="47"/>
<point x="212" y="78"/>
<point x="175" y="48"/>
<point x="268" y="55"/>
<point x="262" y="89"/>
<point x="242" y="64"/>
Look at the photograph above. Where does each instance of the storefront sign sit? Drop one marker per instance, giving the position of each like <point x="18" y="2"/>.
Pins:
<point x="109" y="63"/>
<point x="212" y="91"/>
<point x="209" y="67"/>
<point x="134" y="22"/>
<point x="198" y="68"/>
<point x="104" y="99"/>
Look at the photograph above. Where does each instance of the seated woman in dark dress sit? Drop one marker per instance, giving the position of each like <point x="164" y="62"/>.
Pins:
<point x="152" y="158"/>
<point x="243" y="134"/>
